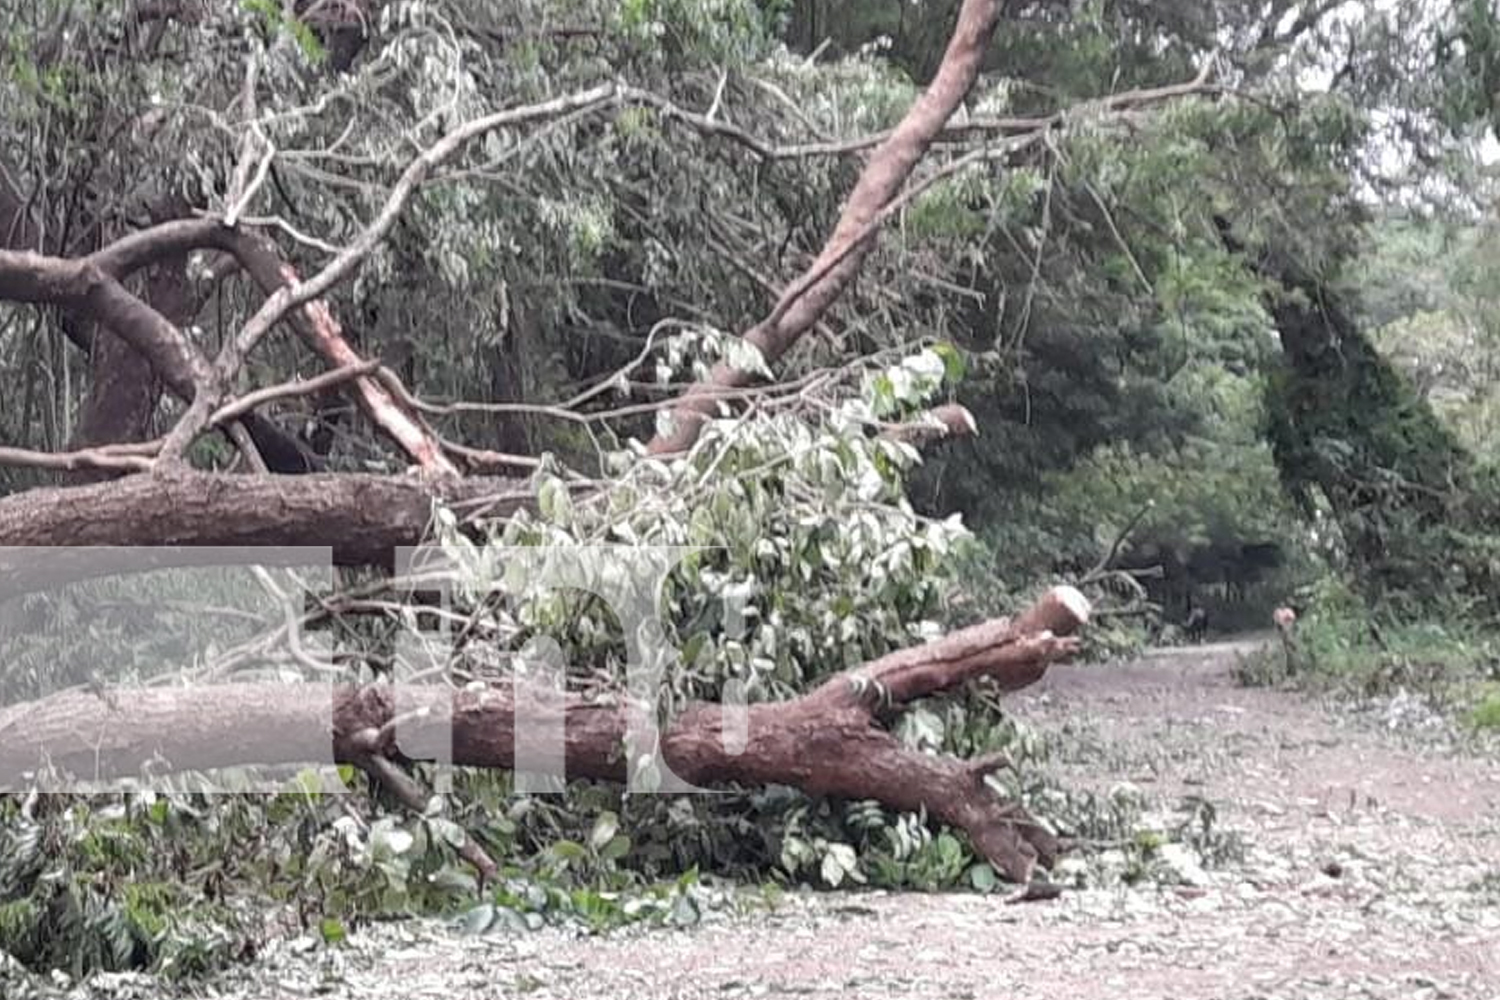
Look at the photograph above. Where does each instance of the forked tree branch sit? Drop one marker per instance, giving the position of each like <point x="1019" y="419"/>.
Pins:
<point x="804" y="301"/>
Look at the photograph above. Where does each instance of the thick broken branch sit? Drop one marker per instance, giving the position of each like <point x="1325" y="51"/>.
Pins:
<point x="85" y="286"/>
<point x="828" y="742"/>
<point x="805" y="301"/>
<point x="312" y="320"/>
<point x="91" y="286"/>
<point x="989" y="649"/>
<point x="123" y="390"/>
<point x="89" y="289"/>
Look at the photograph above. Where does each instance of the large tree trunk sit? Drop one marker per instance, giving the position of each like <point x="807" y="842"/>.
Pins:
<point x="827" y="742"/>
<point x="1416" y="514"/>
<point x="362" y="519"/>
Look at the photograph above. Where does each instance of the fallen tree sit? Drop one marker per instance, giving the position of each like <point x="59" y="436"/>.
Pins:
<point x="830" y="741"/>
<point x="827" y="741"/>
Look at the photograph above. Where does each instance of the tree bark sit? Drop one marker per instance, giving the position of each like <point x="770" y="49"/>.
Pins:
<point x="361" y="518"/>
<point x="123" y="388"/>
<point x="827" y="742"/>
<point x="1415" y="510"/>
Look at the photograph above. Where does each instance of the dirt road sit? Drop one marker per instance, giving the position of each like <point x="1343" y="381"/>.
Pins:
<point x="1372" y="870"/>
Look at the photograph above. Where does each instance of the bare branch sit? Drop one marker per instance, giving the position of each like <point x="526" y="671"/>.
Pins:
<point x="947" y="421"/>
<point x="248" y="450"/>
<point x="110" y="459"/>
<point x="320" y="330"/>
<point x="298" y="293"/>
<point x="243" y="186"/>
<point x="289" y="390"/>
<point x="975" y="129"/>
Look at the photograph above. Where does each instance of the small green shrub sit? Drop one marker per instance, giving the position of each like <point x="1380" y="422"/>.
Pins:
<point x="1486" y="711"/>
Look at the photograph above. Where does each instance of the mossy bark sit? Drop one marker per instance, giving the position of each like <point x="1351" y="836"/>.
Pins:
<point x="1418" y="518"/>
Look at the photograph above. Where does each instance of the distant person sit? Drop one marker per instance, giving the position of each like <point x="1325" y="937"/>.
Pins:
<point x="1286" y="627"/>
<point x="1196" y="626"/>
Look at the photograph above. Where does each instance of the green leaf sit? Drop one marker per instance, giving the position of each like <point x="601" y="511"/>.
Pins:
<point x="569" y="850"/>
<point x="604" y="830"/>
<point x="617" y="847"/>
<point x="307" y="40"/>
<point x="831" y="870"/>
<point x="449" y="832"/>
<point x="954" y="365"/>
<point x="554" y="502"/>
<point x="685" y="912"/>
<point x="982" y="877"/>
<point x="478" y="920"/>
<point x="333" y="931"/>
<point x="839" y="862"/>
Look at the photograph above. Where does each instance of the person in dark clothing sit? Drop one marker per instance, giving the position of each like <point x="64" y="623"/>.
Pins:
<point x="1196" y="626"/>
